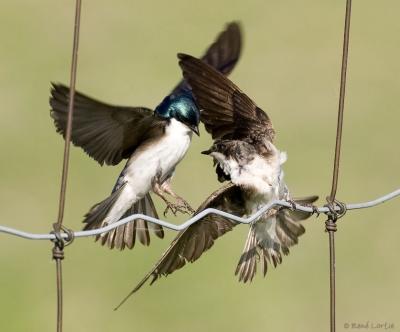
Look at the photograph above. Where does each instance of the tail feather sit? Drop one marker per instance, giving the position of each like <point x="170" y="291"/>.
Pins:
<point x="142" y="232"/>
<point x="288" y="228"/>
<point x="264" y="261"/>
<point x="247" y="266"/>
<point x="130" y="235"/>
<point x="95" y="217"/>
<point x="110" y="239"/>
<point x="124" y="235"/>
<point x="119" y="236"/>
<point x="269" y="238"/>
<point x="150" y="210"/>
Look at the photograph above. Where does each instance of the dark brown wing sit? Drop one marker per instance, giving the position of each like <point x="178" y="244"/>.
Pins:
<point x="223" y="54"/>
<point x="106" y="133"/>
<point x="190" y="244"/>
<point x="227" y="112"/>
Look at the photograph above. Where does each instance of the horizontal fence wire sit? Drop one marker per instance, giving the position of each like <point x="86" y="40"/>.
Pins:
<point x="198" y="217"/>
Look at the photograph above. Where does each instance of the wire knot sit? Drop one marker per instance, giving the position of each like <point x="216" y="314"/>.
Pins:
<point x="334" y="214"/>
<point x="330" y="225"/>
<point x="60" y="242"/>
<point x="58" y="252"/>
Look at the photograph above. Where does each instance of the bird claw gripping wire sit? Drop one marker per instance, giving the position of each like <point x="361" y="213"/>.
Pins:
<point x="314" y="208"/>
<point x="333" y="214"/>
<point x="293" y="205"/>
<point x="59" y="242"/>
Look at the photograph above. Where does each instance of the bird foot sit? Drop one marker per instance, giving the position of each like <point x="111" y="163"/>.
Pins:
<point x="292" y="203"/>
<point x="315" y="209"/>
<point x="180" y="206"/>
<point x="185" y="205"/>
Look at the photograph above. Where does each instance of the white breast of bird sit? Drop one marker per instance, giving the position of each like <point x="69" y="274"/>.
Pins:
<point x="161" y="157"/>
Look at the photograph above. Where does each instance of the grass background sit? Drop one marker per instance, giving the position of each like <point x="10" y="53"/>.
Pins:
<point x="290" y="66"/>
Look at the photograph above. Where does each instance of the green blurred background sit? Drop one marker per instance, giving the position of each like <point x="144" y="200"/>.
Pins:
<point x="290" y="66"/>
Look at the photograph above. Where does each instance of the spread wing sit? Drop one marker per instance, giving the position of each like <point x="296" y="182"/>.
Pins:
<point x="222" y="55"/>
<point x="110" y="133"/>
<point x="105" y="132"/>
<point x="227" y="112"/>
<point x="191" y="243"/>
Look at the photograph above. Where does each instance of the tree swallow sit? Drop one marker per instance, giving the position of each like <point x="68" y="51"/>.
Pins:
<point x="245" y="155"/>
<point x="153" y="142"/>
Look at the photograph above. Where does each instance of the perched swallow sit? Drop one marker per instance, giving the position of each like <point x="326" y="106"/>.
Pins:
<point x="153" y="142"/>
<point x="245" y="155"/>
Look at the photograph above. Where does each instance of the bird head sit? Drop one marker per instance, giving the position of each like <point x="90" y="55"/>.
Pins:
<point x="181" y="107"/>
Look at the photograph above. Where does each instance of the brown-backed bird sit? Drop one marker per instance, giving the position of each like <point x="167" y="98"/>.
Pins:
<point x="245" y="155"/>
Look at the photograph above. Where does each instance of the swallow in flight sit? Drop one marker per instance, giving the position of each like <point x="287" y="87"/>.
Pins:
<point x="245" y="157"/>
<point x="153" y="142"/>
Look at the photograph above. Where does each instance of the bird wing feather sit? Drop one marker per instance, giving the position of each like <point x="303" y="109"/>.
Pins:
<point x="192" y="242"/>
<point x="223" y="53"/>
<point x="105" y="132"/>
<point x="109" y="133"/>
<point x="260" y="246"/>
<point x="227" y="112"/>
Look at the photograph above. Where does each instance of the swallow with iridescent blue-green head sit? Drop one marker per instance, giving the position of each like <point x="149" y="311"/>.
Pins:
<point x="153" y="142"/>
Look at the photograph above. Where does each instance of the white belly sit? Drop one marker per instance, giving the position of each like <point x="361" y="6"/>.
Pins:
<point x="260" y="175"/>
<point x="162" y="157"/>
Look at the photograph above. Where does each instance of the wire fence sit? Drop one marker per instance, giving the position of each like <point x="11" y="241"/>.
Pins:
<point x="333" y="215"/>
<point x="334" y="209"/>
<point x="196" y="218"/>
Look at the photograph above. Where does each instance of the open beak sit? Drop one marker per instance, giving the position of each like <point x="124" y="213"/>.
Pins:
<point x="195" y="129"/>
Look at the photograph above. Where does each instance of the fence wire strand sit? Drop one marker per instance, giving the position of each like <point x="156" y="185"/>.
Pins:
<point x="341" y="101"/>
<point x="196" y="218"/>
<point x="332" y="217"/>
<point x="58" y="253"/>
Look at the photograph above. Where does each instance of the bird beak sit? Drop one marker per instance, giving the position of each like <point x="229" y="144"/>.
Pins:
<point x="195" y="129"/>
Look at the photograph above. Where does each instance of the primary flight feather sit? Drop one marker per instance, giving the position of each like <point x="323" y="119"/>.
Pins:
<point x="153" y="142"/>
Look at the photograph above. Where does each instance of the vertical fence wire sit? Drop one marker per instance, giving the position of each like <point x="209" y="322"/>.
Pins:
<point x="331" y="222"/>
<point x="58" y="253"/>
<point x="341" y="102"/>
